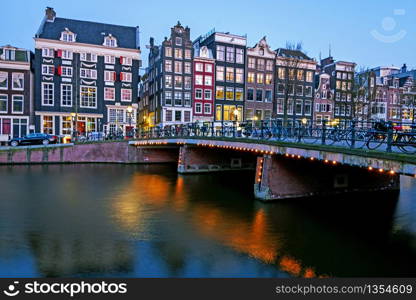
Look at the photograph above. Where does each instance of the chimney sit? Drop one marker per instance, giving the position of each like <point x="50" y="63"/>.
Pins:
<point x="152" y="42"/>
<point x="404" y="68"/>
<point x="50" y="14"/>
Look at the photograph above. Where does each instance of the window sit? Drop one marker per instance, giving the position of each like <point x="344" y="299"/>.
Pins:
<point x="280" y="88"/>
<point x="291" y="89"/>
<point x="300" y="75"/>
<point x="218" y="112"/>
<point x="3" y="103"/>
<point x="17" y="81"/>
<point x="66" y="125"/>
<point x="187" y="97"/>
<point x="338" y="96"/>
<point x="250" y="94"/>
<point x="9" y="54"/>
<point x="178" y="67"/>
<point x="208" y="68"/>
<point x="168" y="51"/>
<point x="188" y="68"/>
<point x="168" y="98"/>
<point x="199" y="67"/>
<point x="178" y="53"/>
<point x="268" y="96"/>
<point x="281" y="73"/>
<point x="188" y="54"/>
<point x="259" y="95"/>
<point x="207" y="94"/>
<point x="126" y="77"/>
<point x="208" y="80"/>
<point x="269" y="79"/>
<point x="178" y="41"/>
<point x="308" y="107"/>
<point x="88" y="96"/>
<point x="290" y="106"/>
<point x="109" y="94"/>
<point x="219" y="92"/>
<point x="229" y="74"/>
<point x="88" y="73"/>
<point x="67" y="36"/>
<point x="188" y="82"/>
<point x="116" y="115"/>
<point x="230" y="54"/>
<point x="90" y="57"/>
<point x="109" y="59"/>
<point x="168" y="81"/>
<point x="198" y="108"/>
<point x="267" y="114"/>
<point x="239" y="94"/>
<point x="48" y="52"/>
<point x="250" y="77"/>
<point x="125" y="94"/>
<point x="249" y="114"/>
<point x="260" y="78"/>
<point x="239" y="75"/>
<point x="178" y="98"/>
<point x="279" y="106"/>
<point x="48" y="70"/>
<point x="260" y="64"/>
<point x="198" y="79"/>
<point x="251" y="63"/>
<point x="308" y="91"/>
<point x="309" y="76"/>
<point x="198" y="93"/>
<point x="269" y="65"/>
<point x="239" y="56"/>
<point x="220" y="53"/>
<point x="110" y="41"/>
<point x="47" y="124"/>
<point x="220" y="73"/>
<point x="178" y="116"/>
<point x="66" y="71"/>
<point x="299" y="90"/>
<point x="109" y="75"/>
<point x="229" y="95"/>
<point x="47" y="93"/>
<point x="4" y="80"/>
<point x="66" y="94"/>
<point x="178" y="82"/>
<point x="168" y="116"/>
<point x="168" y="65"/>
<point x="298" y="107"/>
<point x="127" y="61"/>
<point x="207" y="108"/>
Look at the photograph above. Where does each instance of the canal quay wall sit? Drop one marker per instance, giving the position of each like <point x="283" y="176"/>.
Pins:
<point x="100" y="152"/>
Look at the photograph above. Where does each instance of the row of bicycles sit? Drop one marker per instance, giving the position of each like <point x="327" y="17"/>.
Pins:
<point x="381" y="135"/>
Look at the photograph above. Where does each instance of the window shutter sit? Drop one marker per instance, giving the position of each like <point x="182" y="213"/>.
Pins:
<point x="114" y="76"/>
<point x="121" y="60"/>
<point x="59" y="53"/>
<point x="121" y="76"/>
<point x="59" y="70"/>
<point x="53" y="70"/>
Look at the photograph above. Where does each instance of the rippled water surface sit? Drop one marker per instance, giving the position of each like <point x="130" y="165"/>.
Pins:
<point x="148" y="221"/>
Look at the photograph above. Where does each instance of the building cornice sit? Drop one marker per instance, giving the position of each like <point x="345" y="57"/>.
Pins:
<point x="11" y="64"/>
<point x="81" y="47"/>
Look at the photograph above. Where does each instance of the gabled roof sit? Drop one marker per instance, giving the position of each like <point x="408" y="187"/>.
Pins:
<point x="297" y="54"/>
<point x="90" y="32"/>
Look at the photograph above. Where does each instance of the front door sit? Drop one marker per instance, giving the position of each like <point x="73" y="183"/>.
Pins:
<point x="81" y="128"/>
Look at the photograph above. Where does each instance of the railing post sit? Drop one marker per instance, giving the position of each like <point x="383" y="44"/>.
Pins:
<point x="261" y="129"/>
<point x="323" y="132"/>
<point x="389" y="136"/>
<point x="353" y="134"/>
<point x="234" y="124"/>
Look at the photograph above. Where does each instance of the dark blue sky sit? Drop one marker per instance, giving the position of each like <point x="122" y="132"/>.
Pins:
<point x="369" y="32"/>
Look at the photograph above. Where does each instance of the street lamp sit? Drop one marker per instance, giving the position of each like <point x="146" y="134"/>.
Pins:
<point x="73" y="116"/>
<point x="235" y="112"/>
<point x="304" y="121"/>
<point x="129" y="111"/>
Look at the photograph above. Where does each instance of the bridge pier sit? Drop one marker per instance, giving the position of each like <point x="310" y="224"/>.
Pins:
<point x="193" y="159"/>
<point x="280" y="177"/>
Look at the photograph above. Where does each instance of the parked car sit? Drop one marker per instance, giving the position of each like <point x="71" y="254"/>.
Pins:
<point x="34" y="139"/>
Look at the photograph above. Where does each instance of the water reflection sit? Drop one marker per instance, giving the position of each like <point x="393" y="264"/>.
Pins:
<point x="115" y="220"/>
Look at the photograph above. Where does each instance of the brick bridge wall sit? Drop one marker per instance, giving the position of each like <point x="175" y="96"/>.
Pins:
<point x="111" y="152"/>
<point x="279" y="177"/>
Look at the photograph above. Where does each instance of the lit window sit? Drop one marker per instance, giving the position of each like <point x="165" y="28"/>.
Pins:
<point x="88" y="96"/>
<point x="219" y="92"/>
<point x="125" y="94"/>
<point x="220" y="73"/>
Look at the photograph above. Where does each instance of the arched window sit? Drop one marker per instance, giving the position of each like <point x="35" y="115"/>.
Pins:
<point x="110" y="41"/>
<point x="67" y="36"/>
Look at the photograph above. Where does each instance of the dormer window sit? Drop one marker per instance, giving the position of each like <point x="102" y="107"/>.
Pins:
<point x="67" y="36"/>
<point x="178" y="41"/>
<point x="110" y="41"/>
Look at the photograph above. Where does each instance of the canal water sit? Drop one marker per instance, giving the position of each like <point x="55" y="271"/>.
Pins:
<point x="148" y="221"/>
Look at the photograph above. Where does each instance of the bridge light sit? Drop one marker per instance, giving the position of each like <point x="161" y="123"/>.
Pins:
<point x="312" y="158"/>
<point x="326" y="161"/>
<point x="370" y="168"/>
<point x="381" y="170"/>
<point x="287" y="155"/>
<point x="298" y="156"/>
<point x="334" y="162"/>
<point x="392" y="172"/>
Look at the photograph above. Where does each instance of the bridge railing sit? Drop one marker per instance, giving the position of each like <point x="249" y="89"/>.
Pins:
<point x="374" y="135"/>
